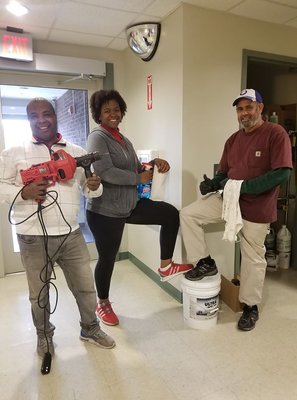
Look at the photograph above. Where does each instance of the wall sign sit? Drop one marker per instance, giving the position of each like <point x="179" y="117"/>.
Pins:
<point x="16" y="46"/>
<point x="149" y="88"/>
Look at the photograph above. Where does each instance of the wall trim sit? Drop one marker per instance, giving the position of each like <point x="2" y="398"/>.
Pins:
<point x="171" y="290"/>
<point x="108" y="80"/>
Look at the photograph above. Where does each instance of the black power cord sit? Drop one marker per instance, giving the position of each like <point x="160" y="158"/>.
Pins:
<point x="47" y="273"/>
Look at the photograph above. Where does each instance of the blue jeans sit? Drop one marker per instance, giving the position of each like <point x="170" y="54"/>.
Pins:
<point x="73" y="258"/>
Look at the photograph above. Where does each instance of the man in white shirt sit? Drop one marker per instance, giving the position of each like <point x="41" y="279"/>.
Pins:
<point x="45" y="216"/>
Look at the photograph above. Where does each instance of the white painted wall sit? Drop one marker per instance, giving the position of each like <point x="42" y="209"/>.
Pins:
<point x="196" y="75"/>
<point x="159" y="128"/>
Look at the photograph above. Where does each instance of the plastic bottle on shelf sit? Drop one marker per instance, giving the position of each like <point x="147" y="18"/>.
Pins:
<point x="283" y="246"/>
<point x="274" y="118"/>
<point x="270" y="240"/>
<point x="270" y="255"/>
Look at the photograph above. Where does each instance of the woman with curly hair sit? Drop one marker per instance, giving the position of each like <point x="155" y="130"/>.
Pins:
<point x="121" y="172"/>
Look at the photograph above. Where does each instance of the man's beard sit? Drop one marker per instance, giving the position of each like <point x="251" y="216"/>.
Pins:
<point x="249" y="123"/>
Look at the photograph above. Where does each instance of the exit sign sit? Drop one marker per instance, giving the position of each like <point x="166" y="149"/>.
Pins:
<point x="16" y="46"/>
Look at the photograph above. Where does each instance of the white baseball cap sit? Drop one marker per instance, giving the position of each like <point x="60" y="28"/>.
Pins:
<point x="250" y="94"/>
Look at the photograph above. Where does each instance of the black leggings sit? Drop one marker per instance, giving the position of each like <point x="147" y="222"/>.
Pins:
<point x="108" y="232"/>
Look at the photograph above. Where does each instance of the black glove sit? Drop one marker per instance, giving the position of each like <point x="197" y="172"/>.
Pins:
<point x="223" y="183"/>
<point x="206" y="186"/>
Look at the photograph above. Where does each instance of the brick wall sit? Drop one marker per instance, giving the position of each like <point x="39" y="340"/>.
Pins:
<point x="73" y="118"/>
<point x="73" y="124"/>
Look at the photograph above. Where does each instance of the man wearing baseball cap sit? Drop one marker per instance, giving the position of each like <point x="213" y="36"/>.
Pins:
<point x="250" y="94"/>
<point x="258" y="157"/>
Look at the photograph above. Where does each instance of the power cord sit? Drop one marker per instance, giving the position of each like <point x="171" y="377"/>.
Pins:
<point x="47" y="273"/>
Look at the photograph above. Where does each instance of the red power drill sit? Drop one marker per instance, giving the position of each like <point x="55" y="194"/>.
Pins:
<point x="61" y="167"/>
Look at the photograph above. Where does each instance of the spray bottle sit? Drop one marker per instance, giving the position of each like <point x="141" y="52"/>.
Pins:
<point x="144" y="189"/>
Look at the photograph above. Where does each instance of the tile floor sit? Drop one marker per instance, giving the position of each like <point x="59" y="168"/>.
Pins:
<point x="157" y="355"/>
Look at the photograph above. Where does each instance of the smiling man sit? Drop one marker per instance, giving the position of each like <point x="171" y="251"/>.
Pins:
<point x="47" y="228"/>
<point x="259" y="155"/>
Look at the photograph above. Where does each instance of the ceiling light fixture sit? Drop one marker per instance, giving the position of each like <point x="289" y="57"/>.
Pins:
<point x="143" y="39"/>
<point x="16" y="8"/>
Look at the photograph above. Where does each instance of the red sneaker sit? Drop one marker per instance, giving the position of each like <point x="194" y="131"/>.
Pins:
<point x="106" y="314"/>
<point x="173" y="270"/>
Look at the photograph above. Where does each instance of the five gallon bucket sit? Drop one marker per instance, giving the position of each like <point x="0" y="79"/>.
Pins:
<point x="201" y="301"/>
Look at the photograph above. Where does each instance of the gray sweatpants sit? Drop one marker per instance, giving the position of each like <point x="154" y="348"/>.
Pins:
<point x="73" y="258"/>
<point x="208" y="210"/>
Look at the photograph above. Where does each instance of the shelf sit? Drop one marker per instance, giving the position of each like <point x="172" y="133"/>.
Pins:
<point x="286" y="114"/>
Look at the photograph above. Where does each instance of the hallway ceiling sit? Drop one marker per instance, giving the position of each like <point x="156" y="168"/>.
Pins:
<point x="102" y="23"/>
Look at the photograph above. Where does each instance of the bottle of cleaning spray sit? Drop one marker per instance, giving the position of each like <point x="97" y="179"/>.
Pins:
<point x="144" y="189"/>
<point x="283" y="246"/>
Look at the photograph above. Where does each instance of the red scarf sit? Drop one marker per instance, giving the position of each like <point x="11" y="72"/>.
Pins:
<point x="115" y="133"/>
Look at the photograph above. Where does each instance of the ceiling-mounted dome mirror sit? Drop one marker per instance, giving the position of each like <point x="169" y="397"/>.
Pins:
<point x="143" y="39"/>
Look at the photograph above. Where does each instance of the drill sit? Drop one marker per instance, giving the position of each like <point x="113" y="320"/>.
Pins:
<point x="86" y="161"/>
<point x="61" y="167"/>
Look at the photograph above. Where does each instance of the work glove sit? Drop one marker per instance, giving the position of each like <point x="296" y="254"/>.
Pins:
<point x="206" y="186"/>
<point x="223" y="183"/>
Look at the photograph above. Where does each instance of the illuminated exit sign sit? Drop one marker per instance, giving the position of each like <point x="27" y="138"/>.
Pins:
<point x="16" y="46"/>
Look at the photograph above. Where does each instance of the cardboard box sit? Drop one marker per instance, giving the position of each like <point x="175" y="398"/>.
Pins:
<point x="229" y="293"/>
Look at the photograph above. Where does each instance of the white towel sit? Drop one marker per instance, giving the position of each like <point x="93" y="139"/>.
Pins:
<point x="231" y="210"/>
<point x="158" y="185"/>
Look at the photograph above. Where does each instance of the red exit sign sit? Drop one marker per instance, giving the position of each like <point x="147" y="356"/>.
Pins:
<point x="17" y="46"/>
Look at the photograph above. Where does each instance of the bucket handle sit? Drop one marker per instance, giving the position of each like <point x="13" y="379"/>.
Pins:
<point x="213" y="311"/>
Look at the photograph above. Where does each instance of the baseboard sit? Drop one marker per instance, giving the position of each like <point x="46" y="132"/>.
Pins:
<point x="167" y="287"/>
<point x="123" y="256"/>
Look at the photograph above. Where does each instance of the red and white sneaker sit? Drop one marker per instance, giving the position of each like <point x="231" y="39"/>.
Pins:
<point x="173" y="270"/>
<point x="106" y="314"/>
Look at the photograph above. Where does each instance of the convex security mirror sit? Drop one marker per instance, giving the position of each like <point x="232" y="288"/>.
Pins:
<point x="143" y="39"/>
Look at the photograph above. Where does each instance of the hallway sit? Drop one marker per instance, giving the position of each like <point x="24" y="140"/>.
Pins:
<point x="157" y="355"/>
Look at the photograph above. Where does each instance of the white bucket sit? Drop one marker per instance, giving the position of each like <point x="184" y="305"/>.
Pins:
<point x="201" y="301"/>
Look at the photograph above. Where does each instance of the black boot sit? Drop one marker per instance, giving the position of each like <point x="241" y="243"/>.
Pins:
<point x="249" y="318"/>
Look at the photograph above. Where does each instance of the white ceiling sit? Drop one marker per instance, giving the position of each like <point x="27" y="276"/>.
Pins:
<point x="102" y="23"/>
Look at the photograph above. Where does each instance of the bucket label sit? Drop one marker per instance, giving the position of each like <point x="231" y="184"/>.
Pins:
<point x="202" y="309"/>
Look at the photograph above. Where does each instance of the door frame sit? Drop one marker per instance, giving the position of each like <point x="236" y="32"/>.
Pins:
<point x="33" y="79"/>
<point x="249" y="55"/>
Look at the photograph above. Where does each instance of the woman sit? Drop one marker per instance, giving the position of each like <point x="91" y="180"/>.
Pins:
<point x="121" y="172"/>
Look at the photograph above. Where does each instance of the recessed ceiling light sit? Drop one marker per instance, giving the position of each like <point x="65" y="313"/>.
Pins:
<point x="16" y="8"/>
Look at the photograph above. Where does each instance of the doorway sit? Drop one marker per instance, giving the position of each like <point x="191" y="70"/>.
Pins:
<point x="71" y="103"/>
<point x="275" y="77"/>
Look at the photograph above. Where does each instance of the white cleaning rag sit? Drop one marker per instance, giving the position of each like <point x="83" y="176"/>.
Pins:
<point x="158" y="185"/>
<point x="231" y="210"/>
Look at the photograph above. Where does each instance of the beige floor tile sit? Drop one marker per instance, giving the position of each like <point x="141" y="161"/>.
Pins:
<point x="157" y="355"/>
